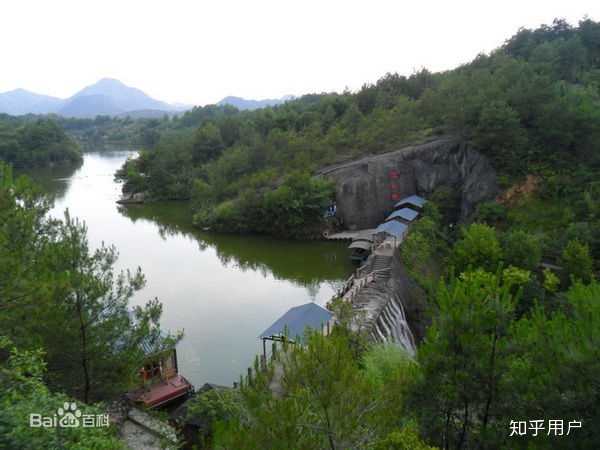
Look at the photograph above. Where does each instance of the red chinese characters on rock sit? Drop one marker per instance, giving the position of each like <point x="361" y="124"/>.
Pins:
<point x="394" y="186"/>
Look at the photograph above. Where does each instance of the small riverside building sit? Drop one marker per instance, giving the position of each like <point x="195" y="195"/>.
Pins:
<point x="404" y="215"/>
<point x="393" y="228"/>
<point x="291" y="326"/>
<point x="160" y="381"/>
<point x="414" y="202"/>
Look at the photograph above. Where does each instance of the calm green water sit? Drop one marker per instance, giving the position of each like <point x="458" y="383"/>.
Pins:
<point x="222" y="290"/>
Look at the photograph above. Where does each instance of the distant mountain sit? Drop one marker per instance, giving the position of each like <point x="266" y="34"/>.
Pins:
<point x="90" y="106"/>
<point x="248" y="104"/>
<point x="20" y="101"/>
<point x="109" y="96"/>
<point x="149" y="113"/>
<point x="106" y="97"/>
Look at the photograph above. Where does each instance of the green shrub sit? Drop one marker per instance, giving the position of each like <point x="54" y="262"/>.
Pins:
<point x="478" y="247"/>
<point x="577" y="262"/>
<point x="521" y="249"/>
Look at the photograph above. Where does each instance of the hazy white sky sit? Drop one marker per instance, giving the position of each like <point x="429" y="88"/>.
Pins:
<point x="200" y="51"/>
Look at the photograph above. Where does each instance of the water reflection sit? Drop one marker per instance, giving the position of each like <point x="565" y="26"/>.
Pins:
<point x="305" y="263"/>
<point x="55" y="181"/>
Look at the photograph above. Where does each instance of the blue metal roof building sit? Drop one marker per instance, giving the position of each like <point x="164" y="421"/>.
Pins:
<point x="294" y="322"/>
<point x="405" y="214"/>
<point x="393" y="228"/>
<point x="413" y="200"/>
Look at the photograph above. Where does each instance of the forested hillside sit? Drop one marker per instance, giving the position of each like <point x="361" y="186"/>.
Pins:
<point x="511" y="297"/>
<point x="26" y="142"/>
<point x="532" y="106"/>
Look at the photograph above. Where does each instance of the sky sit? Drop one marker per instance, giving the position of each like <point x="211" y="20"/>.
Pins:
<point x="197" y="52"/>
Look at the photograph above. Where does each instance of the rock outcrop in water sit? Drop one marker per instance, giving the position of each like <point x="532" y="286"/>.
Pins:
<point x="367" y="188"/>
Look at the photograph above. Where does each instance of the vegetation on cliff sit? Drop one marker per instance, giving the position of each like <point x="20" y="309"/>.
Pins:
<point x="35" y="143"/>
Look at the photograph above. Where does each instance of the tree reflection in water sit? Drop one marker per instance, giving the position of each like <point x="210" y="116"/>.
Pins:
<point x="306" y="263"/>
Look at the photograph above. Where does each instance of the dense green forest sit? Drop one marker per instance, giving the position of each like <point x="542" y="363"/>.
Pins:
<point x="511" y="338"/>
<point x="67" y="330"/>
<point x="27" y="142"/>
<point x="39" y="140"/>
<point x="532" y="106"/>
<point x="512" y="296"/>
<point x="110" y="131"/>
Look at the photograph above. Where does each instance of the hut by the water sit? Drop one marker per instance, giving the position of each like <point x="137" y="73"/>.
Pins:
<point x="291" y="326"/>
<point x="405" y="215"/>
<point x="414" y="202"/>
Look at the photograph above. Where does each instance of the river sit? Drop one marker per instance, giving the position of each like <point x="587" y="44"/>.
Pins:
<point x="221" y="290"/>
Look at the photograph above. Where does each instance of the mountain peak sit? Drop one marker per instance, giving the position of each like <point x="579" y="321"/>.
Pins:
<point x="19" y="91"/>
<point x="105" y="86"/>
<point x="109" y="81"/>
<point x="22" y="101"/>
<point x="110" y="96"/>
<point x="106" y="96"/>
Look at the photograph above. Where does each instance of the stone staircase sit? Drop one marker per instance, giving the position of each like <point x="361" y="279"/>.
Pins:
<point x="380" y="262"/>
<point x="381" y="267"/>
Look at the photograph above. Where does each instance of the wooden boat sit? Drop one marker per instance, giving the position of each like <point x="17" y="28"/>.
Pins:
<point x="160" y="381"/>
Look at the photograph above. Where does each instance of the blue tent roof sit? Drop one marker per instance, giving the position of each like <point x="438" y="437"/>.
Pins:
<point x="294" y="322"/>
<point x="414" y="200"/>
<point x="404" y="213"/>
<point x="393" y="227"/>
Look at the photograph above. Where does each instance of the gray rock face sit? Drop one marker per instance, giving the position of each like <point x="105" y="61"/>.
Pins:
<point x="366" y="189"/>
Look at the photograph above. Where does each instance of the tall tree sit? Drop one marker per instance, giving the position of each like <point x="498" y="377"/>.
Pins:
<point x="59" y="295"/>
<point x="207" y="143"/>
<point x="464" y="360"/>
<point x="97" y="352"/>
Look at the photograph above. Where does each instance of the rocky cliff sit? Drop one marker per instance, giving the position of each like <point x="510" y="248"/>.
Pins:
<point x="367" y="188"/>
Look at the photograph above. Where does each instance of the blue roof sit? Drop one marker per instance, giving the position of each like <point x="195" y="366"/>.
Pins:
<point x="294" y="322"/>
<point x="414" y="200"/>
<point x="393" y="227"/>
<point x="404" y="213"/>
